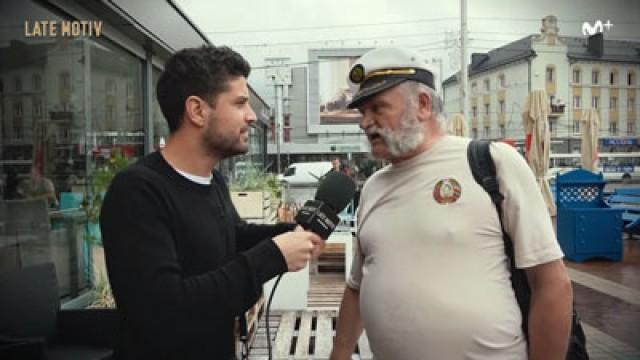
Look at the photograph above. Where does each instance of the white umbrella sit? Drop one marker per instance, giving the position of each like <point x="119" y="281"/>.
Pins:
<point x="456" y="125"/>
<point x="590" y="126"/>
<point x="536" y="124"/>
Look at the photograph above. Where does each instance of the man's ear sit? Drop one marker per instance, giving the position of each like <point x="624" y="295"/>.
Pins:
<point x="195" y="111"/>
<point x="425" y="105"/>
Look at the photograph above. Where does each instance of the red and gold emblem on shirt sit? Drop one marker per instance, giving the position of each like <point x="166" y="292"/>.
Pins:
<point x="447" y="191"/>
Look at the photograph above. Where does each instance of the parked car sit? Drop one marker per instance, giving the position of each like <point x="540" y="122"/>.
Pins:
<point x="305" y="173"/>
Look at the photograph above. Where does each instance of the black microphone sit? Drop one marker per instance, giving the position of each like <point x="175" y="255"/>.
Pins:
<point x="320" y="215"/>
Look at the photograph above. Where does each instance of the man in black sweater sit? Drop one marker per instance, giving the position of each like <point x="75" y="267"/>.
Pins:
<point x="181" y="262"/>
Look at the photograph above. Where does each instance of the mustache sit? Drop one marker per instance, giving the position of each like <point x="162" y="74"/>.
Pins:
<point x="375" y="131"/>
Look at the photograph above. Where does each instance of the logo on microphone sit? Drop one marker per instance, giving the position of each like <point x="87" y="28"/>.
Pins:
<point x="597" y="27"/>
<point x="447" y="191"/>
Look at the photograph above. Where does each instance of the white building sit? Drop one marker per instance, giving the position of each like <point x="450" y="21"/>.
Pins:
<point x="576" y="73"/>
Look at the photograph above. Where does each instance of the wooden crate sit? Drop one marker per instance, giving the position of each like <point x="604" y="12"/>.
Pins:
<point x="252" y="204"/>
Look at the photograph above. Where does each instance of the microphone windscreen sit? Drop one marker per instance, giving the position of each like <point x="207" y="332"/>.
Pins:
<point x="336" y="190"/>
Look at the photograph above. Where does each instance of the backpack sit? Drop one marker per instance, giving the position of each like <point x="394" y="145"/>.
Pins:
<point x="484" y="172"/>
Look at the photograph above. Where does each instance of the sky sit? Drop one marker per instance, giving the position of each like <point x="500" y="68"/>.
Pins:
<point x="289" y="28"/>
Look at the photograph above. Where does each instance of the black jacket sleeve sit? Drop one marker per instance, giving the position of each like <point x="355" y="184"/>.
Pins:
<point x="163" y="306"/>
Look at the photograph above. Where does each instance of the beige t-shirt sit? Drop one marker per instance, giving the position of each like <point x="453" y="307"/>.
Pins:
<point x="430" y="262"/>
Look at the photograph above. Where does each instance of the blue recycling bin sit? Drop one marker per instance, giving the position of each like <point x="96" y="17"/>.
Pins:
<point x="587" y="227"/>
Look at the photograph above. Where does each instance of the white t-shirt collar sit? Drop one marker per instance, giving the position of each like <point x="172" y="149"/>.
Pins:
<point x="202" y="180"/>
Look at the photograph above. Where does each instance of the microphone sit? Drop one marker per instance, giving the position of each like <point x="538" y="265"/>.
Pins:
<point x="320" y="215"/>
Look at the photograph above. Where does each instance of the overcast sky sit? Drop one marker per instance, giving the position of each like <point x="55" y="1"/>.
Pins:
<point x="288" y="28"/>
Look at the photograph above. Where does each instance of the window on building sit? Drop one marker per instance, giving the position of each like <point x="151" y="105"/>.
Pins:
<point x="474" y="87"/>
<point x="631" y="78"/>
<point x="487" y="131"/>
<point x="613" y="103"/>
<point x="18" y="84"/>
<point x="576" y="102"/>
<point x="18" y="128"/>
<point x="474" y="133"/>
<point x="160" y="126"/>
<point x="613" y="78"/>
<point x="501" y="106"/>
<point x="576" y="76"/>
<point x="502" y="81"/>
<point x="486" y="109"/>
<point x="552" y="127"/>
<point x="631" y="104"/>
<point x="487" y="84"/>
<point x="595" y="102"/>
<point x="110" y="87"/>
<point x="131" y="101"/>
<point x="576" y="127"/>
<point x="613" y="128"/>
<point x="595" y="77"/>
<point x="56" y="80"/>
<point x="631" y="127"/>
<point x="474" y="111"/>
<point x="287" y="128"/>
<point x="64" y="88"/>
<point x="550" y="74"/>
<point x="503" y="131"/>
<point x="109" y="114"/>
<point x="37" y="108"/>
<point x="37" y="82"/>
<point x="17" y="109"/>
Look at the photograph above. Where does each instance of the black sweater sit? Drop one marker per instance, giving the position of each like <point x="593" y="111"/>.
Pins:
<point x="181" y="262"/>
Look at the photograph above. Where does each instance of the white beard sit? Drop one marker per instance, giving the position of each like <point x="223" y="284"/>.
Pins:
<point x="407" y="138"/>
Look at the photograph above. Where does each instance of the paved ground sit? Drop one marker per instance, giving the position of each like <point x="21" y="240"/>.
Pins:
<point x="607" y="297"/>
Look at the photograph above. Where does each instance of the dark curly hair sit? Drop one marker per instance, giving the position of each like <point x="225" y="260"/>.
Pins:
<point x="203" y="72"/>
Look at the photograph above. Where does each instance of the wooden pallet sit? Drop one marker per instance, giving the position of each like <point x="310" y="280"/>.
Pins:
<point x="309" y="335"/>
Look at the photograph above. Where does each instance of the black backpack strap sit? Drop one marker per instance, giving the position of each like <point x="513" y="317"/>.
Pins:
<point x="484" y="172"/>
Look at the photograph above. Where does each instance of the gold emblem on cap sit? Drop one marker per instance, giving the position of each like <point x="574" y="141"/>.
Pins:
<point x="357" y="74"/>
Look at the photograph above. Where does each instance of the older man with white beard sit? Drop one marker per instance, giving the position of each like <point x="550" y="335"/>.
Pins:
<point x="430" y="279"/>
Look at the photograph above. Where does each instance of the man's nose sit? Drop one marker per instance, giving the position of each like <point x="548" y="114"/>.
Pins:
<point x="365" y="121"/>
<point x="251" y="116"/>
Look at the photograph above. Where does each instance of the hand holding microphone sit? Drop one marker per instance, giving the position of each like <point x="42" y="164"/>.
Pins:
<point x="297" y="247"/>
<point x="318" y="217"/>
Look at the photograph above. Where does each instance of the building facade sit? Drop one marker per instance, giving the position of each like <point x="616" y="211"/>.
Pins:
<point x="576" y="73"/>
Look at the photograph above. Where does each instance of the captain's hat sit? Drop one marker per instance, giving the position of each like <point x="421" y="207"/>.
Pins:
<point x="384" y="68"/>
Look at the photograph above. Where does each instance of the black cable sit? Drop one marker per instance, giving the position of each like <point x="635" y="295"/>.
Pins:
<point x="244" y="336"/>
<point x="273" y="291"/>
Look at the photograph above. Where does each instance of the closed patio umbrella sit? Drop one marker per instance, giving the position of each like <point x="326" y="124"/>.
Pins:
<point x="536" y="124"/>
<point x="590" y="126"/>
<point x="457" y="126"/>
